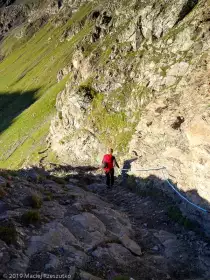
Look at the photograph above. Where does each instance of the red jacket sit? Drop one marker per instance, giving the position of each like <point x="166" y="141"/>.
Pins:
<point x="109" y="162"/>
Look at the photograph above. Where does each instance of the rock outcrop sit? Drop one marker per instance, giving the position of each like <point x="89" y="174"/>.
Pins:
<point x="147" y="90"/>
<point x="68" y="228"/>
<point x="24" y="18"/>
<point x="174" y="132"/>
<point x="149" y="57"/>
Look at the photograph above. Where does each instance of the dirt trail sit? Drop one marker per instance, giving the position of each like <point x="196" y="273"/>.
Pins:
<point x="166" y="244"/>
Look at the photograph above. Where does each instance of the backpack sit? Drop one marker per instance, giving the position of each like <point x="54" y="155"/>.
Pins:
<point x="108" y="162"/>
<point x="104" y="164"/>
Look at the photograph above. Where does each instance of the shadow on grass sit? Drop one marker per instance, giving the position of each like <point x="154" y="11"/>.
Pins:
<point x="13" y="104"/>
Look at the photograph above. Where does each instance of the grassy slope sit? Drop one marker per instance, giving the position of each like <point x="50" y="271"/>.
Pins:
<point x="33" y="66"/>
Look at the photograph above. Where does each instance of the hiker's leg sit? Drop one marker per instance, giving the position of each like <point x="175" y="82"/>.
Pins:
<point x="108" y="179"/>
<point x="112" y="176"/>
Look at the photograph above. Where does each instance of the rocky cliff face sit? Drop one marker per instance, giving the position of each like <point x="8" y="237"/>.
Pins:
<point x="140" y="81"/>
<point x="27" y="16"/>
<point x="174" y="127"/>
<point x="174" y="132"/>
<point x="128" y="59"/>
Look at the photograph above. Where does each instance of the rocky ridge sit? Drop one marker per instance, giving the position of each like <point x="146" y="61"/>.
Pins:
<point x="57" y="225"/>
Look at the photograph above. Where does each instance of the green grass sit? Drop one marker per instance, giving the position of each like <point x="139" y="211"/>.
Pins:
<point x="176" y="215"/>
<point x="2" y="193"/>
<point x="121" y="277"/>
<point x="31" y="67"/>
<point x="112" y="126"/>
<point x="8" y="234"/>
<point x="31" y="217"/>
<point x="36" y="201"/>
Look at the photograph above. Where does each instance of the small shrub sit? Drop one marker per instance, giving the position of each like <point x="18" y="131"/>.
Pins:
<point x="59" y="180"/>
<point x="121" y="277"/>
<point x="61" y="142"/>
<point x="176" y="215"/>
<point x="8" y="234"/>
<point x="4" y="174"/>
<point x="48" y="196"/>
<point x="36" y="201"/>
<point x="191" y="225"/>
<point x="31" y="217"/>
<point x="87" y="91"/>
<point x="131" y="182"/>
<point x="149" y="191"/>
<point x="60" y="115"/>
<point x="41" y="178"/>
<point x="2" y="192"/>
<point x="13" y="173"/>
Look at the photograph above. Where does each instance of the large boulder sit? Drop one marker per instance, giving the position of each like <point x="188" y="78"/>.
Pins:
<point x="114" y="253"/>
<point x="87" y="228"/>
<point x="56" y="235"/>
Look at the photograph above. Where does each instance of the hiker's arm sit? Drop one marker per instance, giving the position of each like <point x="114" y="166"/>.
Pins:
<point x="115" y="162"/>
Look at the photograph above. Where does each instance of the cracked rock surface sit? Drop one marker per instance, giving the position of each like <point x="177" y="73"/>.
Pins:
<point x="95" y="235"/>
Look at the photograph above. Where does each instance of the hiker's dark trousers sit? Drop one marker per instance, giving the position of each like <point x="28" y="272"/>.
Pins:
<point x="110" y="177"/>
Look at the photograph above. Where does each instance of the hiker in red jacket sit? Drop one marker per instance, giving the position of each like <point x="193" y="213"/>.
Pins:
<point x="108" y="164"/>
